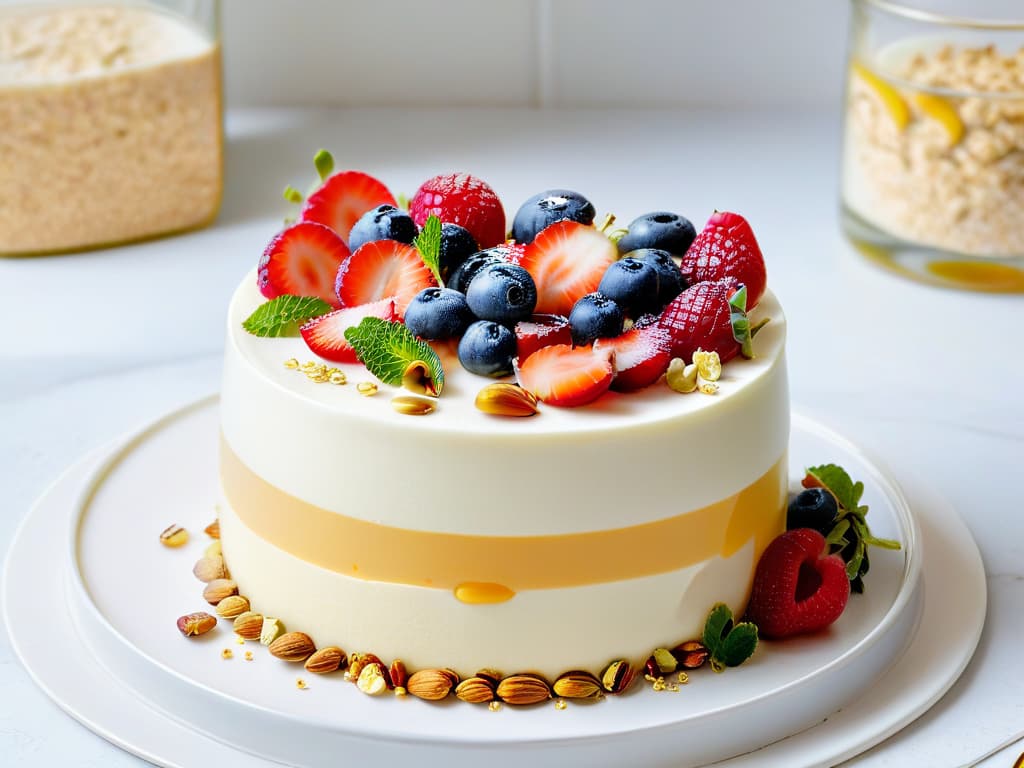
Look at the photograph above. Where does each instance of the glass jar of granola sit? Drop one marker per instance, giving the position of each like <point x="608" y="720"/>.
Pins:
<point x="110" y="121"/>
<point x="933" y="157"/>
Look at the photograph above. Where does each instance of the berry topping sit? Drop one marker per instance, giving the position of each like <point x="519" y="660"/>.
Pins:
<point x="381" y="269"/>
<point x="671" y="281"/>
<point x="385" y="222"/>
<point x="458" y="198"/>
<point x="633" y="285"/>
<point x="567" y="261"/>
<point x="302" y="260"/>
<point x="539" y="331"/>
<point x="727" y="248"/>
<point x="798" y="586"/>
<point x="325" y="335"/>
<point x="343" y="198"/>
<point x="465" y="272"/>
<point x="487" y="349"/>
<point x="567" y="376"/>
<point x="813" y="508"/>
<point x="642" y="354"/>
<point x="701" y="318"/>
<point x="457" y="245"/>
<point x="595" y="316"/>
<point x="661" y="230"/>
<point x="438" y="313"/>
<point x="548" y="207"/>
<point x="504" y="293"/>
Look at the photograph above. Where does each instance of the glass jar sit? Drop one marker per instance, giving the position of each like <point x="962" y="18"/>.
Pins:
<point x="933" y="150"/>
<point x="110" y="121"/>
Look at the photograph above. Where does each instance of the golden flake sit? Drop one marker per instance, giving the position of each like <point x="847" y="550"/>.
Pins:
<point x="683" y="678"/>
<point x="248" y="655"/>
<point x="494" y="706"/>
<point x="227" y="653"/>
<point x="560" y="704"/>
<point x="301" y="684"/>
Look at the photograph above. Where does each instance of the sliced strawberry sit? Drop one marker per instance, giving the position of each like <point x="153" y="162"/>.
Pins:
<point x="567" y="376"/>
<point x="325" y="335"/>
<point x="541" y="331"/>
<point x="642" y="354"/>
<point x="566" y="260"/>
<point x="459" y="198"/>
<point x="381" y="269"/>
<point x="700" y="318"/>
<point x="727" y="248"/>
<point x="343" y="198"/>
<point x="302" y="260"/>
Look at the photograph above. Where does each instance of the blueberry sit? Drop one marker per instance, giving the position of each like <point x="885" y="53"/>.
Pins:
<point x="438" y="313"/>
<point x="547" y="208"/>
<point x="487" y="349"/>
<point x="503" y="293"/>
<point x="385" y="222"/>
<point x="814" y="508"/>
<point x="671" y="281"/>
<point x="660" y="229"/>
<point x="465" y="272"/>
<point x="594" y="316"/>
<point x="633" y="285"/>
<point x="457" y="245"/>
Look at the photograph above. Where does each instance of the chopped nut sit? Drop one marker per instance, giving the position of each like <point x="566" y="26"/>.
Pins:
<point x="707" y="388"/>
<point x="213" y="530"/>
<point x="300" y="684"/>
<point x="618" y="676"/>
<point x="195" y="624"/>
<point x="372" y="680"/>
<point x="578" y="685"/>
<point x="397" y="675"/>
<point x="293" y="646"/>
<point x="523" y="689"/>
<point x="366" y="388"/>
<point x="681" y="377"/>
<point x="412" y="406"/>
<point x="475" y="690"/>
<point x="248" y="655"/>
<point x="326" y="660"/>
<point x="503" y="399"/>
<point x="209" y="568"/>
<point x="248" y="625"/>
<point x="271" y="630"/>
<point x="417" y="379"/>
<point x="691" y="654"/>
<point x="174" y="536"/>
<point x="709" y="365"/>
<point x="431" y="684"/>
<point x="218" y="589"/>
<point x="232" y="606"/>
<point x="227" y="653"/>
<point x="665" y="661"/>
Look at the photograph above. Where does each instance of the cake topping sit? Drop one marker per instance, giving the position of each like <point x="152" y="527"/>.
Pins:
<point x="503" y="399"/>
<point x="659" y="230"/>
<point x="380" y="270"/>
<point x="343" y="199"/>
<point x="545" y="208"/>
<point x="387" y="349"/>
<point x="283" y="315"/>
<point x="568" y="376"/>
<point x="174" y="536"/>
<point x="302" y="260"/>
<point x="325" y="335"/>
<point x="727" y="248"/>
<point x="459" y="198"/>
<point x="195" y="624"/>
<point x="642" y="354"/>
<point x="729" y="643"/>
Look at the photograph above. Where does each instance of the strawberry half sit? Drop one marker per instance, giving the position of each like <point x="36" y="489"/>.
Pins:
<point x="541" y="331"/>
<point x="302" y="260"/>
<point x="567" y="376"/>
<point x="727" y="248"/>
<point x="566" y="260"/>
<point x="343" y="198"/>
<point x="642" y="354"/>
<point x="702" y="317"/>
<point x="325" y="335"/>
<point x="382" y="269"/>
<point x="798" y="586"/>
<point x="459" y="198"/>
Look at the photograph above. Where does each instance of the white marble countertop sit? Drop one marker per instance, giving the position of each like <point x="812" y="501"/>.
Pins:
<point x="929" y="379"/>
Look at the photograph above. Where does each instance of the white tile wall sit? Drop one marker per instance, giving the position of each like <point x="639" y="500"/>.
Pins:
<point x="569" y="53"/>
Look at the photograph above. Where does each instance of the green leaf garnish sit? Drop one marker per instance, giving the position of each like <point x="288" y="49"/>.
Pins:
<point x="388" y="348"/>
<point x="324" y="162"/>
<point x="716" y="626"/>
<point x="835" y="480"/>
<point x="292" y="195"/>
<point x="283" y="316"/>
<point x="428" y="243"/>
<point x="728" y="643"/>
<point x="740" y="322"/>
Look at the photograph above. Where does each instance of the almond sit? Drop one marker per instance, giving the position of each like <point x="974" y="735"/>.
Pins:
<point x="232" y="607"/>
<point x="475" y="690"/>
<point x="503" y="399"/>
<point x="248" y="625"/>
<point x="578" y="685"/>
<point x="209" y="568"/>
<point x="213" y="529"/>
<point x="430" y="684"/>
<point x="326" y="660"/>
<point x="218" y="589"/>
<point x="293" y="646"/>
<point x="524" y="689"/>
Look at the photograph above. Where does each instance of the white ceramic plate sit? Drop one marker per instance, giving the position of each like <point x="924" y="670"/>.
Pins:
<point x="124" y="591"/>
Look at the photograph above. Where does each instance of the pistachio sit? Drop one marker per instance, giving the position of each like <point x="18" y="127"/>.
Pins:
<point x="174" y="536"/>
<point x="218" y="589"/>
<point x="398" y="676"/>
<point x="271" y="630"/>
<point x="209" y="568"/>
<point x="691" y="654"/>
<point x="412" y="406"/>
<point x="213" y="550"/>
<point x="194" y="624"/>
<point x="372" y="680"/>
<point x="326" y="660"/>
<point x="293" y="646"/>
<point x="213" y="529"/>
<point x="248" y="625"/>
<point x="709" y="364"/>
<point x="475" y="690"/>
<point x="232" y="607"/>
<point x="431" y="684"/>
<point x="523" y="689"/>
<point x="578" y="685"/>
<point x="618" y="676"/>
<point x="503" y="399"/>
<point x="665" y="661"/>
<point x="680" y="376"/>
<point x="417" y="378"/>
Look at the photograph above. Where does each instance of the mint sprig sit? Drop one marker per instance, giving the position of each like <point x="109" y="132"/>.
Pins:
<point x="728" y="642"/>
<point x="741" y="323"/>
<point x="283" y="315"/>
<point x="387" y="349"/>
<point x="428" y="243"/>
<point x="851" y="536"/>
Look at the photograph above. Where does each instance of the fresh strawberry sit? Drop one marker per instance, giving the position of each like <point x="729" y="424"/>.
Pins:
<point x="302" y="260"/>
<point x="566" y="260"/>
<point x="381" y="269"/>
<point x="701" y="318"/>
<point x="567" y="376"/>
<point x="343" y="198"/>
<point x="642" y="354"/>
<point x="458" y="198"/>
<point x="541" y="331"/>
<point x="325" y="335"/>
<point x="798" y="586"/>
<point x="727" y="248"/>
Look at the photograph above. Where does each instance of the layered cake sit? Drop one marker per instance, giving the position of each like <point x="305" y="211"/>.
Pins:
<point x="455" y="533"/>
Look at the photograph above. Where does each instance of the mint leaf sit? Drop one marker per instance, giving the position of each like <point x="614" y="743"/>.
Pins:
<point x="428" y="243"/>
<point x="836" y="481"/>
<point x="387" y="348"/>
<point x="739" y="645"/>
<point x="718" y="623"/>
<point x="740" y="322"/>
<point x="324" y="162"/>
<point x="283" y="316"/>
<point x="836" y="535"/>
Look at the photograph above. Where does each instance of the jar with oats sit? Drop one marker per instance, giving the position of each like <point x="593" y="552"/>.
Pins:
<point x="933" y="150"/>
<point x="110" y="121"/>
